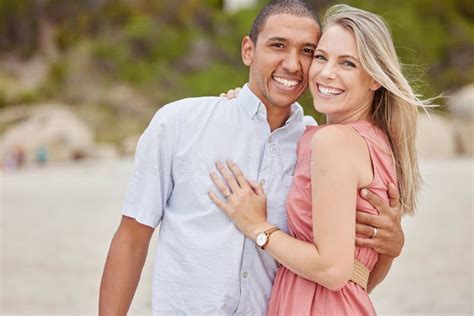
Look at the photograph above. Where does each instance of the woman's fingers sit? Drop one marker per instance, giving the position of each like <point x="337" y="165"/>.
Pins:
<point x="228" y="176"/>
<point x="257" y="187"/>
<point x="231" y="94"/>
<point x="239" y="175"/>
<point x="220" y="184"/>
<point x="220" y="204"/>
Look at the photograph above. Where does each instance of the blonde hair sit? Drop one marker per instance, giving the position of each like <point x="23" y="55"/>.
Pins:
<point x="395" y="105"/>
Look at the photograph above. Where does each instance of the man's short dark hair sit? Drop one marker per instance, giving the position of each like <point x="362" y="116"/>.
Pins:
<point x="293" y="7"/>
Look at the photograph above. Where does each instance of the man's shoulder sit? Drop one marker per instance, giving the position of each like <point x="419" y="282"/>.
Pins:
<point x="185" y="104"/>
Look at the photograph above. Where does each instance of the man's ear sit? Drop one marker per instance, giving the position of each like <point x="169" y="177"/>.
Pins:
<point x="247" y="50"/>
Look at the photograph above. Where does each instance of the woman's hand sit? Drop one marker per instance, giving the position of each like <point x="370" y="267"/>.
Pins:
<point x="231" y="94"/>
<point x="246" y="203"/>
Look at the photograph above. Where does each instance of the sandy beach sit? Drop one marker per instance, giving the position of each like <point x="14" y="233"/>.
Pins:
<point x="57" y="223"/>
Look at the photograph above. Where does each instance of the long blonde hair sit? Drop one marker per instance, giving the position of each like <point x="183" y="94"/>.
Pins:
<point x="395" y="105"/>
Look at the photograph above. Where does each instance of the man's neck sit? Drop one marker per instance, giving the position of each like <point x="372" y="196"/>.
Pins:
<point x="277" y="117"/>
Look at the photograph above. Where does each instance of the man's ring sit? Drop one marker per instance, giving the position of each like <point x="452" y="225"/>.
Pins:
<point x="374" y="233"/>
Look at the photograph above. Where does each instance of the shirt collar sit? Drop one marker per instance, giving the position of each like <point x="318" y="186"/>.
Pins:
<point x="249" y="101"/>
<point x="252" y="104"/>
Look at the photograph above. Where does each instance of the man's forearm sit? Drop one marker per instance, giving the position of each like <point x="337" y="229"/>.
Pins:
<point x="380" y="271"/>
<point x="121" y="275"/>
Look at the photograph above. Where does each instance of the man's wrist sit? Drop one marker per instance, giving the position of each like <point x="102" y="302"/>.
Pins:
<point x="385" y="258"/>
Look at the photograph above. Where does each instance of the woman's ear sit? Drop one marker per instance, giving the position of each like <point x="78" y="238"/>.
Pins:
<point x="375" y="86"/>
<point x="247" y="50"/>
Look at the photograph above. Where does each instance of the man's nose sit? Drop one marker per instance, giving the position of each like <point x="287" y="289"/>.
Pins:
<point x="292" y="62"/>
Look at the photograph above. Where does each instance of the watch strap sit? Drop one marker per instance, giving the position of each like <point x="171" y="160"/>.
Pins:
<point x="271" y="230"/>
<point x="268" y="232"/>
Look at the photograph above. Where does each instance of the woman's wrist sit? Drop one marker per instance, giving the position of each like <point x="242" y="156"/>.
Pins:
<point x="261" y="227"/>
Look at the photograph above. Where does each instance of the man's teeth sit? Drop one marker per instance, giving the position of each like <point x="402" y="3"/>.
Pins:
<point x="285" y="82"/>
<point x="329" y="91"/>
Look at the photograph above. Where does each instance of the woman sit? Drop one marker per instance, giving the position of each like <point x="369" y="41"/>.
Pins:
<point x="368" y="142"/>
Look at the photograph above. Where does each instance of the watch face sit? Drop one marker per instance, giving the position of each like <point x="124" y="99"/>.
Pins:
<point x="261" y="239"/>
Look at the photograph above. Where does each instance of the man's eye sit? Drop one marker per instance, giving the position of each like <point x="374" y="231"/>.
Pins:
<point x="278" y="45"/>
<point x="308" y="51"/>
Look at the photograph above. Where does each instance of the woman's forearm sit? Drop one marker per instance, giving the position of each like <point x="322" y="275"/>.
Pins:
<point x="304" y="259"/>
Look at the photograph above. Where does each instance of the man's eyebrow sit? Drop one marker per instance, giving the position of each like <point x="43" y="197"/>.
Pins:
<point x="311" y="45"/>
<point x="277" y="39"/>
<point x="282" y="39"/>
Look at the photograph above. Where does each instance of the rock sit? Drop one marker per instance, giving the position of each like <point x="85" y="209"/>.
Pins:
<point x="51" y="132"/>
<point x="461" y="103"/>
<point x="435" y="137"/>
<point x="104" y="151"/>
<point x="20" y="80"/>
<point x="461" y="107"/>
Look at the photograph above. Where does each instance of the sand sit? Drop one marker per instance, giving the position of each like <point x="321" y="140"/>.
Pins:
<point x="57" y="223"/>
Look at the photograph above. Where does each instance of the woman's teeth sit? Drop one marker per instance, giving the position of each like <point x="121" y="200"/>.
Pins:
<point x="285" y="82"/>
<point x="329" y="91"/>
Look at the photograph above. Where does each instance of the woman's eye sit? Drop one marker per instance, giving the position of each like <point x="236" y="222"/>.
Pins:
<point x="348" y="64"/>
<point x="319" y="57"/>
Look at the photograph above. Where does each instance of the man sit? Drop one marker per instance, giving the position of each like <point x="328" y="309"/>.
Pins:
<point x="204" y="265"/>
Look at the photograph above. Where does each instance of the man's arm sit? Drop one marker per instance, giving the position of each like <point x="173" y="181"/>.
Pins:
<point x="149" y="188"/>
<point x="123" y="267"/>
<point x="389" y="238"/>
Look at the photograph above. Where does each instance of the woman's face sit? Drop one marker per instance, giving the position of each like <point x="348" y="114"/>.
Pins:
<point x="341" y="88"/>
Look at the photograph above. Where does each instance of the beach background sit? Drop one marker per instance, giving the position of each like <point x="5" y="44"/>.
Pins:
<point x="79" y="81"/>
<point x="57" y="224"/>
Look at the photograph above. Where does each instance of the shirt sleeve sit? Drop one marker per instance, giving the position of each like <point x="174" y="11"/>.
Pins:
<point x="151" y="184"/>
<point x="309" y="121"/>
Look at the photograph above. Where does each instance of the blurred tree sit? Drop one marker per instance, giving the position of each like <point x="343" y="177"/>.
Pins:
<point x="173" y="49"/>
<point x="19" y="26"/>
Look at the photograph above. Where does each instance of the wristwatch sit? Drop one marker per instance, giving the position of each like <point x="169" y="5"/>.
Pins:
<point x="263" y="237"/>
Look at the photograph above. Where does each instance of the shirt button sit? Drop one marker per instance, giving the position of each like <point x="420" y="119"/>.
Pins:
<point x="245" y="274"/>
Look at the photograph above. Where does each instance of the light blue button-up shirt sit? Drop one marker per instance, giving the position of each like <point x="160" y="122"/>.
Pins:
<point x="204" y="265"/>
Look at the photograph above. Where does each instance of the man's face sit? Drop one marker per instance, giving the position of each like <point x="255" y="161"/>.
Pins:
<point x="280" y="60"/>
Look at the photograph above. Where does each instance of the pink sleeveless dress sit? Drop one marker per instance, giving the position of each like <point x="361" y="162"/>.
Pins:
<point x="295" y="295"/>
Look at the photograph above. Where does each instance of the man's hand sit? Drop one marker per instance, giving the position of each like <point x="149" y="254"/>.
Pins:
<point x="384" y="231"/>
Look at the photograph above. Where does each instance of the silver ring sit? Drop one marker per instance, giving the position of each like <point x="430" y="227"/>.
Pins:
<point x="374" y="233"/>
<point x="227" y="195"/>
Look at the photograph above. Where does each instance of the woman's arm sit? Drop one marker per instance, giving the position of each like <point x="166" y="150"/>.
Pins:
<point x="328" y="260"/>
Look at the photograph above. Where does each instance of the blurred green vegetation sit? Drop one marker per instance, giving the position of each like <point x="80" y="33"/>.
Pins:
<point x="167" y="50"/>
